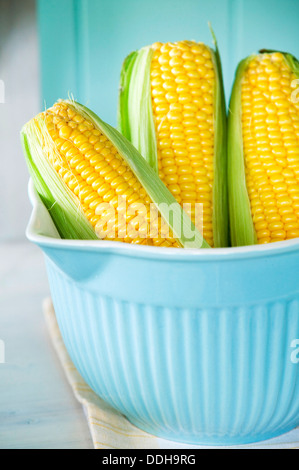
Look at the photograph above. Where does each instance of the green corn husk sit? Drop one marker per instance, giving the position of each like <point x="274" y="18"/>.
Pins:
<point x="62" y="204"/>
<point x="136" y="123"/>
<point x="241" y="224"/>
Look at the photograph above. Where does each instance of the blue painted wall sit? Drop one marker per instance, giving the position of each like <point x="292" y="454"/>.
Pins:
<point x="83" y="42"/>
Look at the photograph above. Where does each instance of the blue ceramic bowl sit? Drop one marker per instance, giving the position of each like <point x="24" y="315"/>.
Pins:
<point x="192" y="346"/>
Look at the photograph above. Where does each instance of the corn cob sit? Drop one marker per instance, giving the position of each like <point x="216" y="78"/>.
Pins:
<point x="172" y="108"/>
<point x="263" y="143"/>
<point x="95" y="184"/>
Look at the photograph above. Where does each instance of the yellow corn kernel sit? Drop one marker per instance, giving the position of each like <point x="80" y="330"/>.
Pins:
<point x="271" y="147"/>
<point x="188" y="88"/>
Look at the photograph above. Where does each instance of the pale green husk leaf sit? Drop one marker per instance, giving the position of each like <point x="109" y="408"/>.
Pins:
<point x="220" y="189"/>
<point x="62" y="205"/>
<point x="135" y="115"/>
<point x="241" y="224"/>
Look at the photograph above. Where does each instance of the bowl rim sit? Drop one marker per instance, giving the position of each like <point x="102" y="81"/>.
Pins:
<point x="39" y="214"/>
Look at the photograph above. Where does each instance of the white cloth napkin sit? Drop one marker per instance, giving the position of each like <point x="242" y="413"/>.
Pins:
<point x="110" y="429"/>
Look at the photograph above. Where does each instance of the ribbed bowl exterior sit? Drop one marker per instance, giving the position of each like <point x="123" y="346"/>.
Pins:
<point x="196" y="350"/>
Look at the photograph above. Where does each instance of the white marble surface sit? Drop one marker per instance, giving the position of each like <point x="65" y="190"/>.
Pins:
<point x="37" y="407"/>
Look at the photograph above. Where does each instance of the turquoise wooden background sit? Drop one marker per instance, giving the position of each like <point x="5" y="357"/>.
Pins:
<point x="83" y="42"/>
